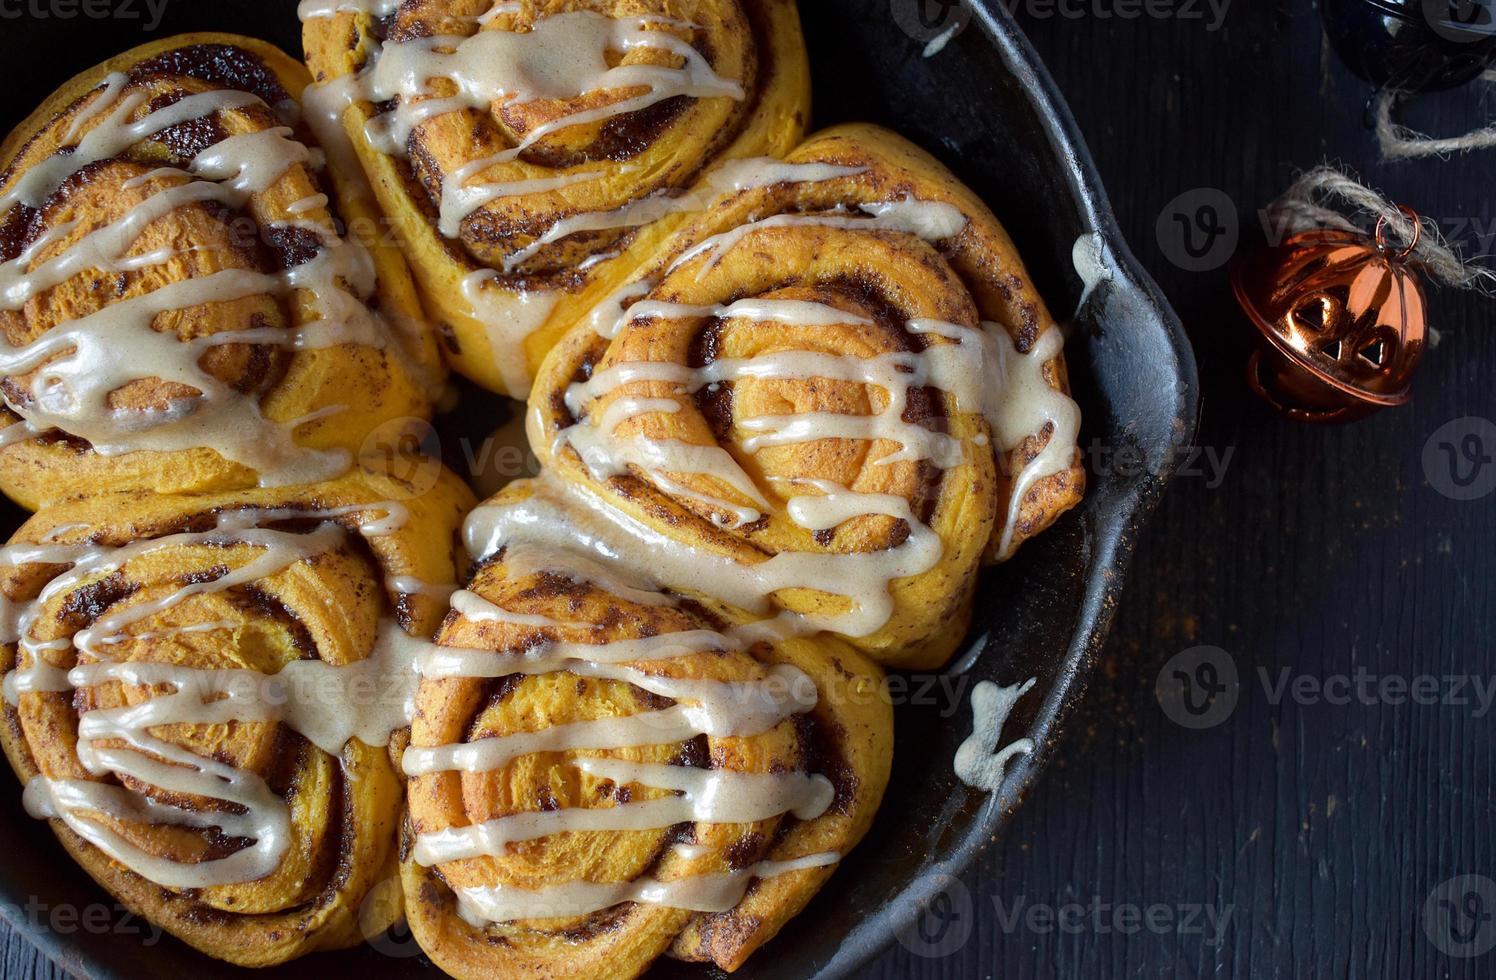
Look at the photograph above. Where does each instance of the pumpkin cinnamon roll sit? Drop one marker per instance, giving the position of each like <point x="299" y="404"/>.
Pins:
<point x="201" y="693"/>
<point x="180" y="310"/>
<point x="603" y="773"/>
<point x="532" y="154"/>
<point x="827" y="403"/>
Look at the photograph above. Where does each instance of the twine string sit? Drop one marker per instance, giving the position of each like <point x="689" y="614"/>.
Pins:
<point x="1300" y="209"/>
<point x="1398" y="142"/>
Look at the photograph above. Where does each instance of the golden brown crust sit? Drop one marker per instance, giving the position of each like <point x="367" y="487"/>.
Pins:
<point x="345" y="810"/>
<point x="351" y="389"/>
<point x="847" y="737"/>
<point x="662" y="149"/>
<point x="887" y="278"/>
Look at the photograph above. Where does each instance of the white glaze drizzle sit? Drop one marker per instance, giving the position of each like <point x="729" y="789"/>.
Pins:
<point x="607" y="455"/>
<point x="265" y="818"/>
<point x="559" y="518"/>
<point x="931" y="220"/>
<point x="563" y="515"/>
<point x="18" y="432"/>
<point x="1032" y="405"/>
<point x="323" y="9"/>
<point x="481" y="67"/>
<point x="981" y="370"/>
<point x="368" y="699"/>
<point x="442" y="663"/>
<point x="731" y="177"/>
<point x="512" y="314"/>
<point x="459" y="200"/>
<point x="113" y="136"/>
<point x="562" y="56"/>
<point x="700" y="795"/>
<point x="1094" y="263"/>
<point x="710" y="892"/>
<point x="938" y="42"/>
<point x="82" y="362"/>
<point x="721" y="709"/>
<point x="114" y="83"/>
<point x="510" y="318"/>
<point x="978" y="762"/>
<point x="400" y="585"/>
<point x="521" y="561"/>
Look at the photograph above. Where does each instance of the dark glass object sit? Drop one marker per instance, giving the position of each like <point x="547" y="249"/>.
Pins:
<point x="1413" y="45"/>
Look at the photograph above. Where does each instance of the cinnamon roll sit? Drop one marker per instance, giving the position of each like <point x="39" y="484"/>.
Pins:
<point x="827" y="403"/>
<point x="532" y="154"/>
<point x="603" y="773"/>
<point x="179" y="309"/>
<point x="201" y="694"/>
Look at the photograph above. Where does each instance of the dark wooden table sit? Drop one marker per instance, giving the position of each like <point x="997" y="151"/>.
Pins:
<point x="1312" y="829"/>
<point x="1324" y="552"/>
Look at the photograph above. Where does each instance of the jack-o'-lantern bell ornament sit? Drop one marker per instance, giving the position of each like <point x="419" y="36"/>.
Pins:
<point x="1342" y="318"/>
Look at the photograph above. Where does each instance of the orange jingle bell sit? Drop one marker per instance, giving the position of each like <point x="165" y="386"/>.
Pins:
<point x="1342" y="316"/>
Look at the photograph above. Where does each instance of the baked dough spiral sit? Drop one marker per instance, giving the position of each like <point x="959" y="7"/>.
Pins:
<point x="602" y="774"/>
<point x="532" y="154"/>
<point x="179" y="309"/>
<point x="200" y="692"/>
<point x="788" y="399"/>
<point x="653" y="721"/>
<point x="829" y="401"/>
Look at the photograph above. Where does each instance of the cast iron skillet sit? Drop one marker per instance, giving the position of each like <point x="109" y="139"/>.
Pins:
<point x="987" y="107"/>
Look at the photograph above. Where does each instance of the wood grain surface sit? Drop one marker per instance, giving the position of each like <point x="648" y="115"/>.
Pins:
<point x="1313" y="833"/>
